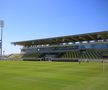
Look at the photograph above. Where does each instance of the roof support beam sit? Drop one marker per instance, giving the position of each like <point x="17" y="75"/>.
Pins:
<point x="91" y="36"/>
<point x="75" y="39"/>
<point x="82" y="38"/>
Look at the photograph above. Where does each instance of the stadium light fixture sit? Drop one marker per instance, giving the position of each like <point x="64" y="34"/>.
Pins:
<point x="1" y="26"/>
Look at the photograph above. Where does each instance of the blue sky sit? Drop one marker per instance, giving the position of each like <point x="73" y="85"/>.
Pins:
<point x="34" y="19"/>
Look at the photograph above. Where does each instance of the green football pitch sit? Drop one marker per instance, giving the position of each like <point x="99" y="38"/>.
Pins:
<point x="20" y="75"/>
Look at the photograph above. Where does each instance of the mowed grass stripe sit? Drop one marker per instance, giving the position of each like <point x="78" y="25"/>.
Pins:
<point x="19" y="75"/>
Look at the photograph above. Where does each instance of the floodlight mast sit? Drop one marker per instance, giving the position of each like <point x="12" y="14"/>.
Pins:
<point x="1" y="26"/>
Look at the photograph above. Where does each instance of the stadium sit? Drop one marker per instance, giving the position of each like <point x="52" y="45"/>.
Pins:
<point x="74" y="62"/>
<point x="80" y="47"/>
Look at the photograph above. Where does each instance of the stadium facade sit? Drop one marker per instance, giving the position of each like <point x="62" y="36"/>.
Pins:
<point x="67" y="48"/>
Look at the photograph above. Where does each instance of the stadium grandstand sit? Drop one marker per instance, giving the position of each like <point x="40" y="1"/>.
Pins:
<point x="89" y="46"/>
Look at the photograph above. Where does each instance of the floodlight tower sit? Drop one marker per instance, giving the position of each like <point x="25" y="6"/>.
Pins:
<point x="1" y="26"/>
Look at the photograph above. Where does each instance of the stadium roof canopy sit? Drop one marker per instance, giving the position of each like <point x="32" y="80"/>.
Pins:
<point x="65" y="39"/>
